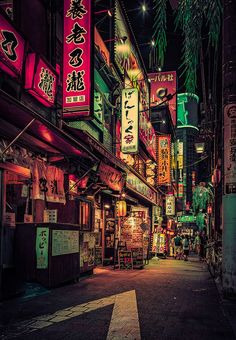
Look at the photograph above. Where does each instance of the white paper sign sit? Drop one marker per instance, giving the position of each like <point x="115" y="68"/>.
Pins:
<point x="129" y="121"/>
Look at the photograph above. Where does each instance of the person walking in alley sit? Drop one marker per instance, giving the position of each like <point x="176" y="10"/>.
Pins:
<point x="178" y="248"/>
<point x="197" y="242"/>
<point x="186" y="246"/>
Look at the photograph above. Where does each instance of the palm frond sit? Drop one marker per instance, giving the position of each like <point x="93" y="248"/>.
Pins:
<point x="189" y="18"/>
<point x="159" y="26"/>
<point x="213" y="14"/>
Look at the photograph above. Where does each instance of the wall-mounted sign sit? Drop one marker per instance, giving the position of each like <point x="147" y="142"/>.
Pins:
<point x="129" y="121"/>
<point x="170" y="205"/>
<point x="230" y="149"/>
<point x="98" y="106"/>
<point x="7" y="6"/>
<point x="162" y="85"/>
<point x="127" y="59"/>
<point x="133" y="182"/>
<point x="12" y="49"/>
<point x="42" y="242"/>
<point x="187" y="110"/>
<point x="112" y="177"/>
<point x="163" y="152"/>
<point x="65" y="242"/>
<point x="40" y="79"/>
<point x="186" y="219"/>
<point x="147" y="134"/>
<point x="77" y="59"/>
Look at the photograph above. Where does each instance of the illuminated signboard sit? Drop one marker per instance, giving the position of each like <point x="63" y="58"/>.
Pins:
<point x="164" y="159"/>
<point x="147" y="134"/>
<point x="186" y="219"/>
<point x="135" y="183"/>
<point x="112" y="177"/>
<point x="170" y="205"/>
<point x="7" y="6"/>
<point x="230" y="149"/>
<point x="40" y="79"/>
<point x="12" y="49"/>
<point x="162" y="85"/>
<point x="129" y="121"/>
<point x="187" y="110"/>
<point x="127" y="59"/>
<point x="77" y="59"/>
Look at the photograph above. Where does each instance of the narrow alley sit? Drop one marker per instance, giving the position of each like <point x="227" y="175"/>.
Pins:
<point x="168" y="299"/>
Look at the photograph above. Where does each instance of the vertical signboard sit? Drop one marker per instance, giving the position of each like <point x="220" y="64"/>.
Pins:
<point x="42" y="242"/>
<point x="170" y="205"/>
<point x="77" y="59"/>
<point x="7" y="6"/>
<point x="180" y="162"/>
<point x="230" y="149"/>
<point x="163" y="84"/>
<point x="12" y="49"/>
<point x="129" y="120"/>
<point x="163" y="152"/>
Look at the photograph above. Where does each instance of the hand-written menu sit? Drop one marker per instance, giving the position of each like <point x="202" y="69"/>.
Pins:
<point x="125" y="259"/>
<point x="137" y="255"/>
<point x="65" y="242"/>
<point x="132" y="233"/>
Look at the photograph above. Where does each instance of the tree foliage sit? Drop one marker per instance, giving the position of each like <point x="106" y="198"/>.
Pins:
<point x="193" y="17"/>
<point x="201" y="197"/>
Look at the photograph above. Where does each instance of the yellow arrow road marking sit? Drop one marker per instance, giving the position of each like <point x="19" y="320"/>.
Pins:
<point x="124" y="321"/>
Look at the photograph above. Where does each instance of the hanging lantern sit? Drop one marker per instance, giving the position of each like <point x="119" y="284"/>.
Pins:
<point x="209" y="209"/>
<point x="121" y="208"/>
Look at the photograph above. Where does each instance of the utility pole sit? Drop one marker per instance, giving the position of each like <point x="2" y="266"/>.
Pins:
<point x="229" y="113"/>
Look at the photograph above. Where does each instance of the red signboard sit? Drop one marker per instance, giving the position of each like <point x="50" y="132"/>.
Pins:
<point x="164" y="84"/>
<point x="147" y="134"/>
<point x="12" y="48"/>
<point x="40" y="79"/>
<point x="77" y="60"/>
<point x="112" y="177"/>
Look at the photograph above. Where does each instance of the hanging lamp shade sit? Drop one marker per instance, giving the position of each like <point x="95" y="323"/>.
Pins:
<point x="121" y="208"/>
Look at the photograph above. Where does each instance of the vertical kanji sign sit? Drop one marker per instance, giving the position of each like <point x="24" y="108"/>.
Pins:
<point x="40" y="79"/>
<point x="163" y="151"/>
<point x="42" y="243"/>
<point x="77" y="60"/>
<point x="12" y="49"/>
<point x="129" y="121"/>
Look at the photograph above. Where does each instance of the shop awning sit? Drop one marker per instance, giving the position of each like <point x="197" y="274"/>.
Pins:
<point x="142" y="189"/>
<point x="41" y="136"/>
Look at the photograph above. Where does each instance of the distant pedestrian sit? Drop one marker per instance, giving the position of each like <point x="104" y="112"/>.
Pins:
<point x="177" y="248"/>
<point x="186" y="246"/>
<point x="197" y="242"/>
<point x="203" y="243"/>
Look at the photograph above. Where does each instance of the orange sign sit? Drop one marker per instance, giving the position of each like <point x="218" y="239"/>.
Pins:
<point x="164" y="159"/>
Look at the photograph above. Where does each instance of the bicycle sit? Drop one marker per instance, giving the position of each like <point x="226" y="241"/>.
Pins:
<point x="214" y="259"/>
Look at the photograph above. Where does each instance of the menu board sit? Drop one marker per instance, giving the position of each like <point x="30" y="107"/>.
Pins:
<point x="125" y="259"/>
<point x="87" y="249"/>
<point x="65" y="242"/>
<point x="132" y="233"/>
<point x="98" y="255"/>
<point x="137" y="256"/>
